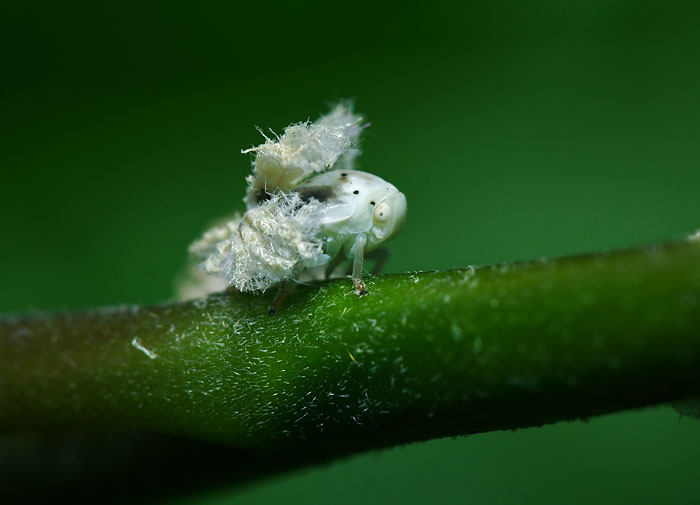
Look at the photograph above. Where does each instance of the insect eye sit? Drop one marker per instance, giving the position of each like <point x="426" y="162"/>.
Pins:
<point x="382" y="213"/>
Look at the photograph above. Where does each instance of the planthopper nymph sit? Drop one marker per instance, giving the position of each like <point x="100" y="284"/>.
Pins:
<point x="307" y="210"/>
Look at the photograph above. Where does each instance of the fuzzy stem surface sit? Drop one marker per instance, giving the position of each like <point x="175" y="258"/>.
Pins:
<point x="424" y="355"/>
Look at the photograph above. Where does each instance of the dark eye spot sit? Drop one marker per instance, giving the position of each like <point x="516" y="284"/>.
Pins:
<point x="343" y="175"/>
<point x="356" y="192"/>
<point x="371" y="203"/>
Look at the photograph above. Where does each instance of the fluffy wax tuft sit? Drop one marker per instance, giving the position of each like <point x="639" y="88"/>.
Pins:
<point x="269" y="244"/>
<point x="304" y="149"/>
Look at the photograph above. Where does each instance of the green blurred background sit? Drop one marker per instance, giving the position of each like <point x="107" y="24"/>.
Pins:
<point x="517" y="130"/>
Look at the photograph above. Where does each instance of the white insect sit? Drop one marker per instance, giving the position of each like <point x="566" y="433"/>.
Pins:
<point x="301" y="215"/>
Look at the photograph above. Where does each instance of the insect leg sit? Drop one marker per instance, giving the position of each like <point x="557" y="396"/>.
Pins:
<point x="380" y="257"/>
<point x="330" y="268"/>
<point x="284" y="292"/>
<point x="358" y="253"/>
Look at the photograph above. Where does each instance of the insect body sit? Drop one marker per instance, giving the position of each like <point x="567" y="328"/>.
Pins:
<point x="360" y="212"/>
<point x="300" y="215"/>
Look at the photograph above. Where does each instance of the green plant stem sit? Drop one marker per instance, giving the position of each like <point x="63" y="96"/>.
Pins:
<point x="424" y="355"/>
